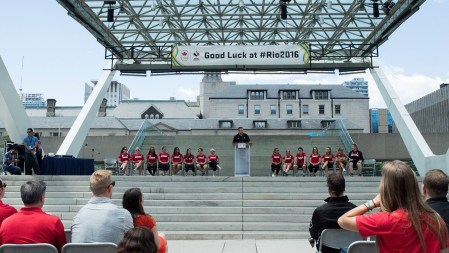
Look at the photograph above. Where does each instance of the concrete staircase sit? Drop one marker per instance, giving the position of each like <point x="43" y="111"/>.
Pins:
<point x="207" y="207"/>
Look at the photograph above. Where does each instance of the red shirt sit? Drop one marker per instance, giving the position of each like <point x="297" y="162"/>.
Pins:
<point x="189" y="159"/>
<point x="32" y="225"/>
<point x="328" y="158"/>
<point x="123" y="157"/>
<point x="137" y="157"/>
<point x="164" y="157"/>
<point x="212" y="158"/>
<point x="315" y="158"/>
<point x="151" y="159"/>
<point x="340" y="157"/>
<point x="201" y="158"/>
<point x="149" y="222"/>
<point x="300" y="159"/>
<point x="288" y="159"/>
<point x="177" y="158"/>
<point x="276" y="158"/>
<point x="6" y="211"/>
<point x="395" y="232"/>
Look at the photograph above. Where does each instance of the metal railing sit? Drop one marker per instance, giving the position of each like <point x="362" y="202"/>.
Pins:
<point x="339" y="128"/>
<point x="146" y="128"/>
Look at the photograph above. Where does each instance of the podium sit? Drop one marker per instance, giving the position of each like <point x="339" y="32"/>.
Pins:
<point x="242" y="155"/>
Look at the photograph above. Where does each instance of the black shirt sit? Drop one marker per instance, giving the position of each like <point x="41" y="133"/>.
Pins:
<point x="441" y="206"/>
<point x="241" y="138"/>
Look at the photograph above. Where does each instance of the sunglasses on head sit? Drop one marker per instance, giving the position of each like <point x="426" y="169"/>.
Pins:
<point x="112" y="183"/>
<point x="3" y="185"/>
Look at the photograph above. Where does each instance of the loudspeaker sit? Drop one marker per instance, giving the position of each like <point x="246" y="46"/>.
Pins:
<point x="111" y="15"/>
<point x="283" y="11"/>
<point x="376" y="9"/>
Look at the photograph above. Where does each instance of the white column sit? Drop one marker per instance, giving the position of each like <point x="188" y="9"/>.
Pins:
<point x="416" y="145"/>
<point x="12" y="112"/>
<point x="74" y="140"/>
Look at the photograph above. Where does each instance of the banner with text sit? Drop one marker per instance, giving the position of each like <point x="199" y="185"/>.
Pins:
<point x="297" y="54"/>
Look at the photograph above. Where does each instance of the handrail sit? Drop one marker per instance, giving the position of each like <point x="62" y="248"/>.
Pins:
<point x="143" y="132"/>
<point x="339" y="126"/>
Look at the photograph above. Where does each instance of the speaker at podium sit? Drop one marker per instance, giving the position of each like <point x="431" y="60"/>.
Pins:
<point x="242" y="156"/>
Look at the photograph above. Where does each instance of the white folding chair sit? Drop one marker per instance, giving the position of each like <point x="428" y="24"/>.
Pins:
<point x="103" y="247"/>
<point x="362" y="247"/>
<point x="111" y="164"/>
<point x="338" y="238"/>
<point x="369" y="167"/>
<point x="28" y="248"/>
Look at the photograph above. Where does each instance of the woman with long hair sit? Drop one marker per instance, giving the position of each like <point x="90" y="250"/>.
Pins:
<point x="405" y="222"/>
<point x="152" y="161"/>
<point x="164" y="161"/>
<point x="288" y="162"/>
<point x="137" y="240"/>
<point x="276" y="161"/>
<point x="340" y="159"/>
<point x="176" y="161"/>
<point x="123" y="159"/>
<point x="189" y="160"/>
<point x="315" y="161"/>
<point x="133" y="202"/>
<point x="328" y="160"/>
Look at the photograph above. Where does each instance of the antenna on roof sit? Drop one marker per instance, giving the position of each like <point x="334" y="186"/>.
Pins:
<point x="21" y="76"/>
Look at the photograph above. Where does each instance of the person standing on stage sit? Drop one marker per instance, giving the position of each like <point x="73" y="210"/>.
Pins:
<point x="39" y="150"/>
<point x="30" y="153"/>
<point x="241" y="137"/>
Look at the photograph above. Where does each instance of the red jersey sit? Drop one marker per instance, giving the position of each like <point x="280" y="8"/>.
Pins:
<point x="189" y="159"/>
<point x="300" y="158"/>
<point x="288" y="159"/>
<point x="201" y="158"/>
<point x="151" y="158"/>
<point x="123" y="157"/>
<point x="315" y="158"/>
<point x="137" y="157"/>
<point x="212" y="158"/>
<point x="176" y="158"/>
<point x="328" y="158"/>
<point x="6" y="211"/>
<point x="164" y="157"/>
<point x="276" y="158"/>
<point x="341" y="157"/>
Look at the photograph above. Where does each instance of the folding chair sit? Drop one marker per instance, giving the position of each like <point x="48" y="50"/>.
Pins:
<point x="28" y="248"/>
<point x="369" y="167"/>
<point x="362" y="247"/>
<point x="68" y="235"/>
<point x="111" y="164"/>
<point x="103" y="247"/>
<point x="338" y="238"/>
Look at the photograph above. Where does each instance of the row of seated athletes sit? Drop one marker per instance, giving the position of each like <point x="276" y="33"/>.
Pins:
<point x="317" y="162"/>
<point x="168" y="164"/>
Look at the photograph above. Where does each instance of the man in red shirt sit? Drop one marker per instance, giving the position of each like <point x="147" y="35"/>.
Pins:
<point x="32" y="225"/>
<point x="5" y="210"/>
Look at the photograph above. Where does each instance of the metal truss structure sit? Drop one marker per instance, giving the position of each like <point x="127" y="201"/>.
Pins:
<point x="342" y="34"/>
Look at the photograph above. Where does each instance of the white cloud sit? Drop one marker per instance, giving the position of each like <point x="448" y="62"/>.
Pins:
<point x="187" y="93"/>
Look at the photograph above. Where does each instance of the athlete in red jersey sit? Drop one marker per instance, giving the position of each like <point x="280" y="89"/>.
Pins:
<point x="328" y="160"/>
<point x="213" y="161"/>
<point x="152" y="161"/>
<point x="189" y="160"/>
<point x="340" y="159"/>
<point x="123" y="160"/>
<point x="276" y="161"/>
<point x="315" y="161"/>
<point x="300" y="162"/>
<point x="288" y="162"/>
<point x="164" y="160"/>
<point x="138" y="160"/>
<point x="201" y="164"/>
<point x="176" y="161"/>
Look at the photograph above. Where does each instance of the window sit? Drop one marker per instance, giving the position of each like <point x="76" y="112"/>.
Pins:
<point x="151" y="116"/>
<point x="305" y="109"/>
<point x="289" y="109"/>
<point x="337" y="109"/>
<point x="257" y="95"/>
<point x="225" y="123"/>
<point x="157" y="116"/>
<point x="53" y="134"/>
<point x="260" y="124"/>
<point x="256" y="109"/>
<point x="294" y="124"/>
<point x="321" y="95"/>
<point x="273" y="109"/>
<point x="321" y="109"/>
<point x="326" y="123"/>
<point x="241" y="109"/>
<point x="289" y="94"/>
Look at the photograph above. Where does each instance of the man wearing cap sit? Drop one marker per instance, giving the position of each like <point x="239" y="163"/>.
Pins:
<point x="100" y="220"/>
<point x="11" y="160"/>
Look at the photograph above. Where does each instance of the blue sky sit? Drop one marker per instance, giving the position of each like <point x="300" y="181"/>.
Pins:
<point x="60" y="56"/>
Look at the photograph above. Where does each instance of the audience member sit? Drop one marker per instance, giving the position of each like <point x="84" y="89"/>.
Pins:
<point x="11" y="160"/>
<point x="405" y="223"/>
<point x="315" y="161"/>
<point x="39" y="150"/>
<point x="152" y="161"/>
<point x="138" y="160"/>
<point x="133" y="202"/>
<point x="137" y="240"/>
<point x="32" y="225"/>
<point x="340" y="159"/>
<point x="30" y="153"/>
<point x="176" y="161"/>
<point x="164" y="161"/>
<point x="201" y="164"/>
<point x="287" y="162"/>
<point x="241" y="137"/>
<point x="5" y="210"/>
<point x="276" y="161"/>
<point x="300" y="162"/>
<point x="326" y="216"/>
<point x="123" y="159"/>
<point x="100" y="220"/>
<point x="189" y="160"/>
<point x="435" y="187"/>
<point x="213" y="162"/>
<point x="328" y="160"/>
<point x="355" y="160"/>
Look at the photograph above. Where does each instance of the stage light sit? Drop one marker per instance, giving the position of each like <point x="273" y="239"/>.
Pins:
<point x="283" y="8"/>
<point x="375" y="9"/>
<point x="110" y="17"/>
